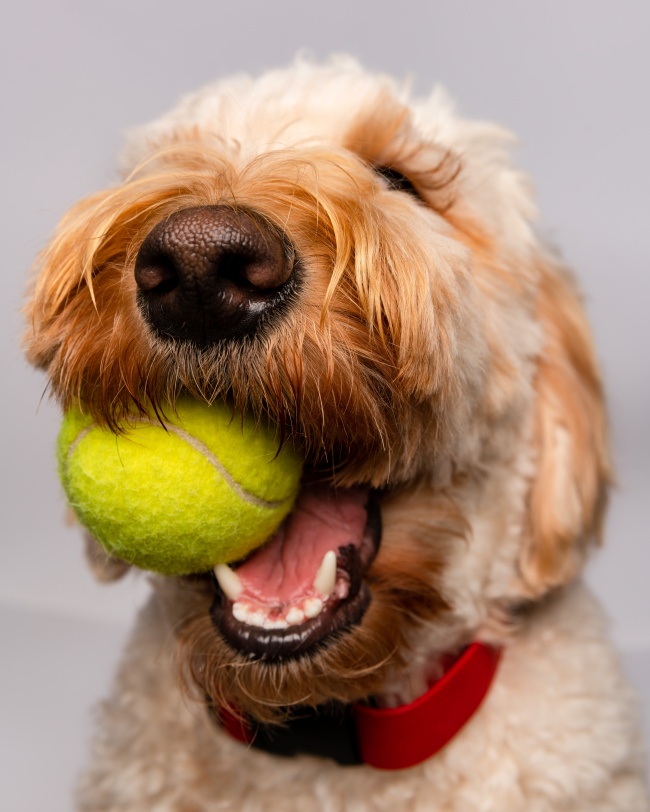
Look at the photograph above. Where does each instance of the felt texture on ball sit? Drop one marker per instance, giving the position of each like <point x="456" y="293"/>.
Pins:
<point x="207" y="487"/>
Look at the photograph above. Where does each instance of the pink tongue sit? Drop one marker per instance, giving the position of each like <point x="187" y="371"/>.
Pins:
<point x="322" y="520"/>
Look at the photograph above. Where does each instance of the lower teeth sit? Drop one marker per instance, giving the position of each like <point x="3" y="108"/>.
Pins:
<point x="294" y="616"/>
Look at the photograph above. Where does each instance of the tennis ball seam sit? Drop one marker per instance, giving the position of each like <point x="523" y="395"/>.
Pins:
<point x="198" y="446"/>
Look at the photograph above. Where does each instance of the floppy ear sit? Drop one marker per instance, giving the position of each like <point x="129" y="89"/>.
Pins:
<point x="568" y="494"/>
<point x="103" y="566"/>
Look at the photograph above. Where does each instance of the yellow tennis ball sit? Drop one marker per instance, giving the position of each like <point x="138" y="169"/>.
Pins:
<point x="207" y="487"/>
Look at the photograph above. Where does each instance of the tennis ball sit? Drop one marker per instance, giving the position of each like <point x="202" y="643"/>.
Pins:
<point x="205" y="488"/>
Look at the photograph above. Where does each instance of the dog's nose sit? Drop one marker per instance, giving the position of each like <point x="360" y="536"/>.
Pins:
<point x="212" y="272"/>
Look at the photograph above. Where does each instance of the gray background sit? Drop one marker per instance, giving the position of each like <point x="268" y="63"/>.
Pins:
<point x="569" y="77"/>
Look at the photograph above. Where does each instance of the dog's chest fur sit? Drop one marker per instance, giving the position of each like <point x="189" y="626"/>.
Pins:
<point x="552" y="735"/>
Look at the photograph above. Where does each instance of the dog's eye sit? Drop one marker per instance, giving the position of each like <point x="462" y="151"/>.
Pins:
<point x="397" y="181"/>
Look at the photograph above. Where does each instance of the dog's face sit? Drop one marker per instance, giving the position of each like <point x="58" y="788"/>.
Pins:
<point x="363" y="272"/>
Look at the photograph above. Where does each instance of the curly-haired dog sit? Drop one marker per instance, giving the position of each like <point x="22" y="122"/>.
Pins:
<point x="360" y="268"/>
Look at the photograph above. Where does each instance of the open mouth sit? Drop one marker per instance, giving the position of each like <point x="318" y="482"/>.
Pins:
<point x="307" y="582"/>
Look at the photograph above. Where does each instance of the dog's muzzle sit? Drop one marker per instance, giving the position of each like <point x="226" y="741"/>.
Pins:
<point x="209" y="273"/>
<point x="287" y="599"/>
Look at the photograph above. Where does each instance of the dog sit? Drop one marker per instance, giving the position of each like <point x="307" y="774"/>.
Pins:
<point x="361" y="269"/>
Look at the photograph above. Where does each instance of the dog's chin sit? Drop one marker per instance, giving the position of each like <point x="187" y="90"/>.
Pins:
<point x="306" y="586"/>
<point x="389" y="549"/>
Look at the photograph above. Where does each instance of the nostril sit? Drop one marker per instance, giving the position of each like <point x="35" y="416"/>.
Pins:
<point x="257" y="271"/>
<point x="156" y="274"/>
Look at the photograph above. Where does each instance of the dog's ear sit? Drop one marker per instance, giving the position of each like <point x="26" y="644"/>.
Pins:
<point x="572" y="466"/>
<point x="102" y="565"/>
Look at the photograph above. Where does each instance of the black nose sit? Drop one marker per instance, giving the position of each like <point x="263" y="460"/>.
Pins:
<point x="212" y="272"/>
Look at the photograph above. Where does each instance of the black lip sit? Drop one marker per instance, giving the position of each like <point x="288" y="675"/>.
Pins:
<point x="282" y="644"/>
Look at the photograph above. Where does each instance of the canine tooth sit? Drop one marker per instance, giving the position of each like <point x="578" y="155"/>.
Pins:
<point x="240" y="612"/>
<point x="326" y="576"/>
<point x="312" y="607"/>
<point x="229" y="581"/>
<point x="295" y="616"/>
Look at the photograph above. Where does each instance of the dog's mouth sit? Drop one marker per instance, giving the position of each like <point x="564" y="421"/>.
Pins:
<point x="307" y="582"/>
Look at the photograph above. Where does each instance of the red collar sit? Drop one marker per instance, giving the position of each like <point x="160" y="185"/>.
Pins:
<point x="395" y="738"/>
<point x="389" y="738"/>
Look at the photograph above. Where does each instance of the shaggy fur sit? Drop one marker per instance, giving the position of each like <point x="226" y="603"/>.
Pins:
<point x="438" y="351"/>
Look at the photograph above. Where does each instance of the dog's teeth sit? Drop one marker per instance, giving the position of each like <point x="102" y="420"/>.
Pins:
<point x="325" y="579"/>
<point x="240" y="612"/>
<point x="276" y="624"/>
<point x="257" y="618"/>
<point x="312" y="607"/>
<point x="295" y="616"/>
<point x="229" y="581"/>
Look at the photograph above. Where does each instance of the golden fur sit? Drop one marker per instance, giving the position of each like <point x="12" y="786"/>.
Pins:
<point x="439" y="352"/>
